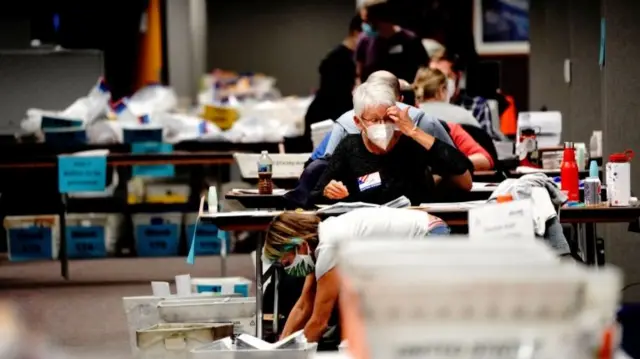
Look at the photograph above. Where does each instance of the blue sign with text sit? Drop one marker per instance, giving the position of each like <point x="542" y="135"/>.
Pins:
<point x="82" y="174"/>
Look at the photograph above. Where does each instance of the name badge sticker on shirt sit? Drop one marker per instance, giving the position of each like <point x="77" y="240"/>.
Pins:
<point x="396" y="49"/>
<point x="369" y="181"/>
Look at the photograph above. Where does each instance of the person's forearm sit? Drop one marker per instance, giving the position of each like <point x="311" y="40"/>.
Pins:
<point x="480" y="162"/>
<point x="314" y="329"/>
<point x="297" y="319"/>
<point x="448" y="159"/>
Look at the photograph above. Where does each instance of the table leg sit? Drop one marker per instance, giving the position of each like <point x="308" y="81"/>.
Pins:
<point x="276" y="279"/>
<point x="590" y="242"/>
<point x="582" y="246"/>
<point x="63" y="255"/>
<point x="259" y="286"/>
<point x="223" y="257"/>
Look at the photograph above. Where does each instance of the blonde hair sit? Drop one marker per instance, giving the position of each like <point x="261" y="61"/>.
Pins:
<point x="288" y="228"/>
<point x="428" y="82"/>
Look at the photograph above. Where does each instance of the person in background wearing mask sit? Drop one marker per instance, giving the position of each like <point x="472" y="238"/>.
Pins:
<point x="478" y="106"/>
<point x="390" y="158"/>
<point x="308" y="248"/>
<point x="337" y="79"/>
<point x="387" y="46"/>
<point x="431" y="91"/>
<point x="347" y="125"/>
<point x="433" y="96"/>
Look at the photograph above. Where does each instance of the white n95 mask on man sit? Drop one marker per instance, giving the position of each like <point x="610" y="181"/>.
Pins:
<point x="381" y="134"/>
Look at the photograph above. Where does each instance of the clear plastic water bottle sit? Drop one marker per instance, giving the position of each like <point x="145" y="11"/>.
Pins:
<point x="265" y="166"/>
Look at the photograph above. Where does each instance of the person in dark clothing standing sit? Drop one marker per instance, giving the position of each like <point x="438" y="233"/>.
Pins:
<point x="337" y="79"/>
<point x="386" y="46"/>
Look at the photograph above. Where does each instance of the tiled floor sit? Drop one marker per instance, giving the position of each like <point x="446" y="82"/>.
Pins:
<point x="85" y="315"/>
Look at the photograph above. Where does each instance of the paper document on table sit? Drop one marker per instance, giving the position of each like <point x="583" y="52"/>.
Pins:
<point x="525" y="169"/>
<point x="452" y="206"/>
<point x="547" y="124"/>
<point x="276" y="191"/>
<point x="483" y="187"/>
<point x="510" y="220"/>
<point x="343" y="207"/>
<point x="241" y="214"/>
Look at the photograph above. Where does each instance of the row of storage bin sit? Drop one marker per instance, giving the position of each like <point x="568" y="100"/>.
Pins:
<point x="95" y="235"/>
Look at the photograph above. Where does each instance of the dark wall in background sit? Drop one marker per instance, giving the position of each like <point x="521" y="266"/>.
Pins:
<point x="286" y="39"/>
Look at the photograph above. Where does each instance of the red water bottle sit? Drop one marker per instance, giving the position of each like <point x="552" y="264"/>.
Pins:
<point x="569" y="174"/>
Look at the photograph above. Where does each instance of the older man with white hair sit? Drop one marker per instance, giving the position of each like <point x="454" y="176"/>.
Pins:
<point x="345" y="124"/>
<point x="389" y="157"/>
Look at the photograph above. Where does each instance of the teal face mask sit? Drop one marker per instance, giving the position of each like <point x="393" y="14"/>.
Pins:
<point x="369" y="30"/>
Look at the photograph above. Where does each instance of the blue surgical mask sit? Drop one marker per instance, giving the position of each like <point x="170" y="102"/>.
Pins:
<point x="369" y="30"/>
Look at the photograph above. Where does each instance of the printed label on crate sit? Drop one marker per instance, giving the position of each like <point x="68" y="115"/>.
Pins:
<point x="157" y="240"/>
<point x="82" y="173"/>
<point x="86" y="242"/>
<point x="244" y="325"/>
<point x="30" y="243"/>
<point x="153" y="170"/>
<point x="496" y="349"/>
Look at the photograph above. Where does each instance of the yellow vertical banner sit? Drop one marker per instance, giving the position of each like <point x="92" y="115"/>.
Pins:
<point x="150" y="56"/>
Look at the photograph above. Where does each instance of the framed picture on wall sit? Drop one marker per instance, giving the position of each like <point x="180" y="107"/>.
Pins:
<point x="501" y="27"/>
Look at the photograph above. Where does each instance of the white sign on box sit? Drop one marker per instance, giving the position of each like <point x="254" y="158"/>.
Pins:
<point x="511" y="220"/>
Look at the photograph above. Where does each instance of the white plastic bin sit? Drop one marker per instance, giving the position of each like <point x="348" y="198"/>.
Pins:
<point x="239" y="311"/>
<point x="220" y="350"/>
<point x="228" y="285"/>
<point x="174" y="341"/>
<point x="32" y="237"/>
<point x="157" y="234"/>
<point x="91" y="235"/>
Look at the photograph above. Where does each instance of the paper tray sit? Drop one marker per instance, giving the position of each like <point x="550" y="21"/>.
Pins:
<point x="218" y="350"/>
<point x="207" y="310"/>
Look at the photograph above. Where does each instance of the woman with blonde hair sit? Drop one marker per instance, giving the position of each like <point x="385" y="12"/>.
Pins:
<point x="308" y="247"/>
<point x="433" y="94"/>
